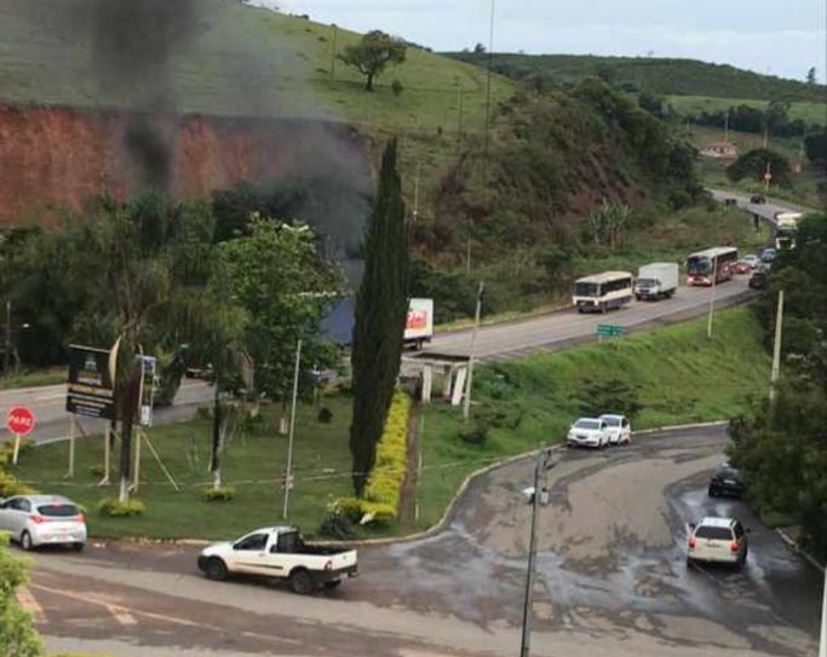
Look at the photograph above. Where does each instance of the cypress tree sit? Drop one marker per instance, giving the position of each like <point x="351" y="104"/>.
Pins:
<point x="381" y="308"/>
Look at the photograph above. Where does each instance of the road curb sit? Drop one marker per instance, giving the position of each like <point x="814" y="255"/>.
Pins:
<point x="443" y="521"/>
<point x="795" y="547"/>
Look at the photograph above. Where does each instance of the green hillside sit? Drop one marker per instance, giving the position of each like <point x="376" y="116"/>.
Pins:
<point x="668" y="77"/>
<point x="236" y="60"/>
<point x="812" y="113"/>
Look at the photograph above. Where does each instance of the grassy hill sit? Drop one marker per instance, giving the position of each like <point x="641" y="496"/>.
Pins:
<point x="664" y="76"/>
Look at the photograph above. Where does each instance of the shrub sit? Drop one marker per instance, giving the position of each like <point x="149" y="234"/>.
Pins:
<point x="397" y="88"/>
<point x="11" y="485"/>
<point x="221" y="494"/>
<point x="474" y="435"/>
<point x="381" y="501"/>
<point x="113" y="508"/>
<point x="325" y="415"/>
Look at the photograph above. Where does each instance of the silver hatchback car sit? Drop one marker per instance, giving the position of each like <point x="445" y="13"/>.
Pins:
<point x="35" y="520"/>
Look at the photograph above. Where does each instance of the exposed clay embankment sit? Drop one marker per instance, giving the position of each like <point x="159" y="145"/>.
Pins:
<point x="53" y="158"/>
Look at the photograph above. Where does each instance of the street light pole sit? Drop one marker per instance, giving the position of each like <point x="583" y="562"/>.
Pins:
<point x="466" y="406"/>
<point x="288" y="476"/>
<point x="776" y="348"/>
<point x="712" y="299"/>
<point x="542" y="464"/>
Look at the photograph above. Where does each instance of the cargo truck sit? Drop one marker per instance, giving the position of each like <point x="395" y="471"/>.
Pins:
<point x="658" y="280"/>
<point x="419" y="325"/>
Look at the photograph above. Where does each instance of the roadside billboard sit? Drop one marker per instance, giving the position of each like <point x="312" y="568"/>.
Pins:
<point x="90" y="392"/>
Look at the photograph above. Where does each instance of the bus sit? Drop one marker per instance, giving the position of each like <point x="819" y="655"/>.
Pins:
<point x="715" y="263"/>
<point x="601" y="292"/>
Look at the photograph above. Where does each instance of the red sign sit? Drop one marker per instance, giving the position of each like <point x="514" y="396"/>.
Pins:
<point x="20" y="421"/>
<point x="417" y="319"/>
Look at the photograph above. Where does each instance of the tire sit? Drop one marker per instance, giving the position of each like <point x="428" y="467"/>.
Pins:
<point x="713" y="492"/>
<point x="301" y="582"/>
<point x="77" y="547"/>
<point x="26" y="541"/>
<point x="215" y="569"/>
<point x="332" y="584"/>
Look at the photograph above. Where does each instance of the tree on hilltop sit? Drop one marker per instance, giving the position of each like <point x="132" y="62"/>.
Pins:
<point x="373" y="53"/>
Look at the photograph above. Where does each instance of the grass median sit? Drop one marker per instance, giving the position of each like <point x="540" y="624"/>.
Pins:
<point x="681" y="376"/>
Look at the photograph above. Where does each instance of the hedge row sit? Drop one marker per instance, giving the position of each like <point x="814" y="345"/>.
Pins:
<point x="9" y="484"/>
<point x="381" y="502"/>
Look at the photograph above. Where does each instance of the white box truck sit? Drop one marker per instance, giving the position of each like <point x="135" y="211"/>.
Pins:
<point x="658" y="280"/>
<point x="419" y="326"/>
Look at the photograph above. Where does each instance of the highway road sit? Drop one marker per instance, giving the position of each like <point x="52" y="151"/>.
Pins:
<point x="612" y="580"/>
<point x="766" y="211"/>
<point x="567" y="328"/>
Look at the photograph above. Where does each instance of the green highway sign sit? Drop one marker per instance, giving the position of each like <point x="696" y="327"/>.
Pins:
<point x="609" y="330"/>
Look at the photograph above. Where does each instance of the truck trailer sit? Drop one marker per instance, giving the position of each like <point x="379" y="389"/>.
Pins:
<point x="658" y="280"/>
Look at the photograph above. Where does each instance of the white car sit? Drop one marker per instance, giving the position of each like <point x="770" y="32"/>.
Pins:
<point x="722" y="540"/>
<point x="752" y="260"/>
<point x="35" y="520"/>
<point x="588" y="432"/>
<point x="279" y="552"/>
<point x="619" y="428"/>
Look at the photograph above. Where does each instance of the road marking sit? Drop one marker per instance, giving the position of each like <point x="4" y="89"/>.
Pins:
<point x="30" y="605"/>
<point x="121" y="614"/>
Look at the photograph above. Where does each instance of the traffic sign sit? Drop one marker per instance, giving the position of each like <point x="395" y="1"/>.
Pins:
<point x="609" y="330"/>
<point x="20" y="421"/>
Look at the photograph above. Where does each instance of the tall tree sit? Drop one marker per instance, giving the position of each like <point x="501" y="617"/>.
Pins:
<point x="811" y="75"/>
<point x="373" y="53"/>
<point x="381" y="307"/>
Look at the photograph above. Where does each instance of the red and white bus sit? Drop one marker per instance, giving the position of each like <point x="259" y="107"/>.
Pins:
<point x="711" y="266"/>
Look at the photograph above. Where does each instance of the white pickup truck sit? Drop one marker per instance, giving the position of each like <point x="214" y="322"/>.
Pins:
<point x="282" y="553"/>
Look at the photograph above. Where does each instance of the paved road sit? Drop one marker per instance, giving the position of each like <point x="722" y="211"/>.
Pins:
<point x="766" y="211"/>
<point x="49" y="405"/>
<point x="566" y="328"/>
<point x="612" y="579"/>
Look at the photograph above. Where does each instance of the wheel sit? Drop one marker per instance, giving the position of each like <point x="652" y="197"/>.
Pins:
<point x="26" y="541"/>
<point x="332" y="584"/>
<point x="637" y="296"/>
<point x="215" y="568"/>
<point x="301" y="582"/>
<point x="713" y="492"/>
<point x="77" y="547"/>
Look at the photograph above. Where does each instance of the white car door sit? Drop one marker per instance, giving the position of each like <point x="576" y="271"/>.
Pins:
<point x="249" y="554"/>
<point x="5" y="516"/>
<point x="17" y="511"/>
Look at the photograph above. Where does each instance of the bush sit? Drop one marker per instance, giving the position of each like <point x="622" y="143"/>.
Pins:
<point x="475" y="435"/>
<point x="113" y="508"/>
<point x="338" y="526"/>
<point x="325" y="415"/>
<point x="609" y="396"/>
<point x="397" y="88"/>
<point x="11" y="485"/>
<point x="221" y="494"/>
<point x="381" y="501"/>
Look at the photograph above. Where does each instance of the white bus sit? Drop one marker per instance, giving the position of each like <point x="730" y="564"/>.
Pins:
<point x="703" y="266"/>
<point x="601" y="292"/>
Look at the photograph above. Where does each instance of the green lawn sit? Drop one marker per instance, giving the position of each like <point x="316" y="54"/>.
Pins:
<point x="810" y="112"/>
<point x="253" y="462"/>
<point x="44" y="377"/>
<point x="683" y="377"/>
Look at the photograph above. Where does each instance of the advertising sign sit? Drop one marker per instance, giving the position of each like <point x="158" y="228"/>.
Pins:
<point x="90" y="392"/>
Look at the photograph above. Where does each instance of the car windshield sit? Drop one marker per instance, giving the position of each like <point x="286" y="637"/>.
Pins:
<point x="714" y="533"/>
<point x="64" y="510"/>
<point x="612" y="421"/>
<point x="731" y="473"/>
<point x="699" y="266"/>
<point x="587" y="424"/>
<point x="645" y="282"/>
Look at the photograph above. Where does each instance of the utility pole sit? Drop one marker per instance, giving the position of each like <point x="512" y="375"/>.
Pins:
<point x="7" y="348"/>
<point x="288" y="475"/>
<point x="776" y="349"/>
<point x="542" y="465"/>
<point x="822" y="650"/>
<point x="712" y="299"/>
<point x="466" y="406"/>
<point x="726" y="127"/>
<point x="333" y="52"/>
<point x="416" y="195"/>
<point x="767" y="178"/>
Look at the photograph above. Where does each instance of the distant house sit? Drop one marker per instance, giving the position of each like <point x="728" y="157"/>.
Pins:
<point x="721" y="149"/>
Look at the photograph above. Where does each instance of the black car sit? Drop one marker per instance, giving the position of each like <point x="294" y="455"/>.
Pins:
<point x="726" y="481"/>
<point x="758" y="280"/>
<point x="757" y="199"/>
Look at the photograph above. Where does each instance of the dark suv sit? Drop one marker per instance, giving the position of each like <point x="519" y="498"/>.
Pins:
<point x="757" y="199"/>
<point x="726" y="481"/>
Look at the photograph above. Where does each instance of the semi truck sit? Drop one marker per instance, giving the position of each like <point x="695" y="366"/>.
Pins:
<point x="419" y="325"/>
<point x="658" y="280"/>
<point x="786" y="226"/>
